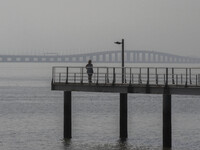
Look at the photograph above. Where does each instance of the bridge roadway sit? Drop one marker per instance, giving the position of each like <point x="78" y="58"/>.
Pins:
<point x="165" y="81"/>
<point x="139" y="56"/>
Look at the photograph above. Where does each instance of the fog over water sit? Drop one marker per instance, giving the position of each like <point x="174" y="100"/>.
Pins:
<point x="76" y="26"/>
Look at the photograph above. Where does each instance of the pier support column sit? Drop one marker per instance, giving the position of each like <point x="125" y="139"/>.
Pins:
<point x="123" y="116"/>
<point x="167" y="127"/>
<point x="67" y="115"/>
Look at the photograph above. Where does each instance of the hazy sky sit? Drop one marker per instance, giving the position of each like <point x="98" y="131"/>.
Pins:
<point x="75" y="26"/>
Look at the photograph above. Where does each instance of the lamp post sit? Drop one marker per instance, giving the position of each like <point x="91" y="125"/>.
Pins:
<point x="122" y="43"/>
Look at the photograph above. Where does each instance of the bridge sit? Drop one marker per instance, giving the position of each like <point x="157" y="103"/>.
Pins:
<point x="128" y="80"/>
<point x="136" y="56"/>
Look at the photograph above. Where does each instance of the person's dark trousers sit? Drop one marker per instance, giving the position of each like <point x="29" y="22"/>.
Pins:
<point x="90" y="78"/>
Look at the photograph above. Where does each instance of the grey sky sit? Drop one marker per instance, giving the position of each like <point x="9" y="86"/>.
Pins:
<point x="75" y="26"/>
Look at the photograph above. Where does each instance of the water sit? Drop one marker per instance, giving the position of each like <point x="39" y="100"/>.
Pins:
<point x="31" y="116"/>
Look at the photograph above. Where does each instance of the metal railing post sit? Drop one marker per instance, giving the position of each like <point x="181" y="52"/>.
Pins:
<point x="130" y="75"/>
<point x="107" y="77"/>
<point x="186" y="77"/>
<point x="140" y="78"/>
<point x="156" y="71"/>
<point x="196" y="79"/>
<point x="97" y="75"/>
<point x="173" y="76"/>
<point x="181" y="79"/>
<point x="124" y="75"/>
<point x="190" y="70"/>
<point x="164" y="78"/>
<point x="114" y="76"/>
<point x="66" y="75"/>
<point x="147" y="85"/>
<point x="81" y="75"/>
<point x="166" y="82"/>
<point x="147" y="76"/>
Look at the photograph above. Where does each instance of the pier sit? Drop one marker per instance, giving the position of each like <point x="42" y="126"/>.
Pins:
<point x="127" y="80"/>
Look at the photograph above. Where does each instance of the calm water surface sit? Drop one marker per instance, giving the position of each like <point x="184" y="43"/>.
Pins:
<point x="31" y="116"/>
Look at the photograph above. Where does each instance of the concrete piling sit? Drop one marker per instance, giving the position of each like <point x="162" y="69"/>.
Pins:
<point x="123" y="116"/>
<point x="167" y="126"/>
<point x="67" y="115"/>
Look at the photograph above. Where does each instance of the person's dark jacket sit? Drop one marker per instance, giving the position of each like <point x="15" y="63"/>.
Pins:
<point x="89" y="68"/>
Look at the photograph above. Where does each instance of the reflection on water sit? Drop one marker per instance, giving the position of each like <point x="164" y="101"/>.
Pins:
<point x="74" y="144"/>
<point x="67" y="144"/>
<point x="167" y="148"/>
<point x="119" y="145"/>
<point x="123" y="145"/>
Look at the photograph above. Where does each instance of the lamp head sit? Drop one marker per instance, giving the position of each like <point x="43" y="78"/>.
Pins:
<point x="118" y="42"/>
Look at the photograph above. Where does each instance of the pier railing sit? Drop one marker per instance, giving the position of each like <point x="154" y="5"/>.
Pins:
<point x="132" y="75"/>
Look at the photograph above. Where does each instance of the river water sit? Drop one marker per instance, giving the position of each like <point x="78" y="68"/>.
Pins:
<point x="31" y="116"/>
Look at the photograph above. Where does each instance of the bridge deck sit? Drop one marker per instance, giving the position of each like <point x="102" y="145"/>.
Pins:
<point x="136" y="56"/>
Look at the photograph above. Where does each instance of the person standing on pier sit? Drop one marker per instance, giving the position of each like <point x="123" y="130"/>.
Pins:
<point x="89" y="68"/>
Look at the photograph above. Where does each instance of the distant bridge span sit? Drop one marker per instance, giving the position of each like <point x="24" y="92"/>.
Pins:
<point x="136" y="56"/>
